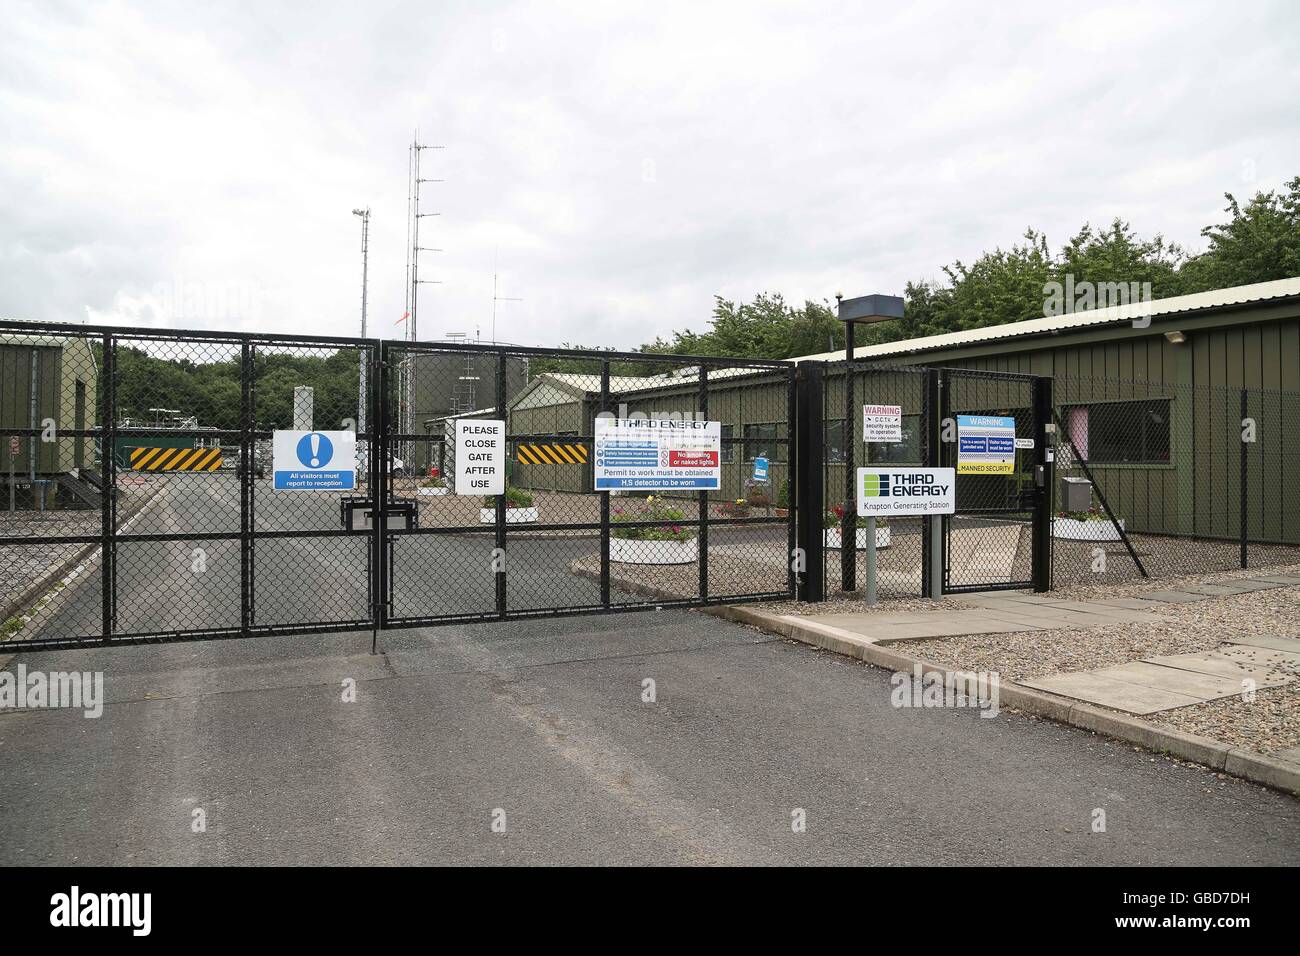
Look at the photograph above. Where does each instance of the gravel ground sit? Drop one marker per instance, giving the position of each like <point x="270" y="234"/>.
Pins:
<point x="846" y="604"/>
<point x="1173" y="629"/>
<point x="1269" y="723"/>
<point x="1101" y="591"/>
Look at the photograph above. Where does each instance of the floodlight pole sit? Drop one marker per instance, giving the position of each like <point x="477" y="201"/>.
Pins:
<point x="853" y="312"/>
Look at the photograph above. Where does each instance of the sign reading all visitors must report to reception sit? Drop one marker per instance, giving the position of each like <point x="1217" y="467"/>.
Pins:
<point x="480" y="457"/>
<point x="891" y="492"/>
<point x="882" y="423"/>
<point x="314" y="461"/>
<point x="643" y="454"/>
<point x="986" y="445"/>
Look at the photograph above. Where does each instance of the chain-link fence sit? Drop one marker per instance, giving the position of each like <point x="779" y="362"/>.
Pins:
<point x="565" y="545"/>
<point x="144" y="499"/>
<point x="1173" y="480"/>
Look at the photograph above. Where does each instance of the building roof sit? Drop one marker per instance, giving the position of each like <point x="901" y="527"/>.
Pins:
<point x="1215" y="298"/>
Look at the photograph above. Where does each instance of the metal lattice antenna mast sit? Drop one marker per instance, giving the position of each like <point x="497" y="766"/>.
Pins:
<point x="495" y="299"/>
<point x="416" y="248"/>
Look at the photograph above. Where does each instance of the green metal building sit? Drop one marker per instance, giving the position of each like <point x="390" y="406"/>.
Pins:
<point x="1150" y="395"/>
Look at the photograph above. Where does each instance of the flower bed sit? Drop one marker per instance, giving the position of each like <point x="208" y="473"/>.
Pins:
<point x="519" y="507"/>
<point x="833" y="537"/>
<point x="654" y="544"/>
<point x="1085" y="529"/>
<point x="646" y="551"/>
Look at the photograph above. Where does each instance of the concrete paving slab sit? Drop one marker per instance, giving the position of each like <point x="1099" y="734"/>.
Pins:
<point x="1132" y="604"/>
<point x="1218" y="590"/>
<point x="1173" y="679"/>
<point x="1262" y="656"/>
<point x="1173" y="597"/>
<point x="1237" y="668"/>
<point x="1108" y="692"/>
<point x="1279" y="579"/>
<point x="1288" y="644"/>
<point x="1251" y="584"/>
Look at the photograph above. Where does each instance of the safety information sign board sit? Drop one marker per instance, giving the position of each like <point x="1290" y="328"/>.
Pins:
<point x="888" y="492"/>
<point x="642" y="454"/>
<point x="480" y="457"/>
<point x="986" y="445"/>
<point x="314" y="461"/>
<point x="882" y="423"/>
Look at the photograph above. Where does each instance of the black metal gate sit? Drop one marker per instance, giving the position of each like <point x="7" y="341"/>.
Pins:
<point x="144" y="510"/>
<point x="998" y="538"/>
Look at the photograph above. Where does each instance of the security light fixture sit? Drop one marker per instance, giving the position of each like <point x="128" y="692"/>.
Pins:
<point x="1176" y="337"/>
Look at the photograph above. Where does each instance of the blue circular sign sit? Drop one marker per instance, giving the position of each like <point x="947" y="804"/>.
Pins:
<point x="315" y="450"/>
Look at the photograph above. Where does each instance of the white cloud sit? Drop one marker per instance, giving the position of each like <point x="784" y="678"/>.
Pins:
<point x="617" y="167"/>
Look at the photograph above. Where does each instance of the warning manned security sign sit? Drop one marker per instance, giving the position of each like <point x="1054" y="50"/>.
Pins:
<point x="480" y="457"/>
<point x="986" y="445"/>
<point x="314" y="461"/>
<point x="642" y="454"/>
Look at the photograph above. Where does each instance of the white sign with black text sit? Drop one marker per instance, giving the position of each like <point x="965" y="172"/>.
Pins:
<point x="883" y="423"/>
<point x="893" y="492"/>
<point x="480" y="457"/>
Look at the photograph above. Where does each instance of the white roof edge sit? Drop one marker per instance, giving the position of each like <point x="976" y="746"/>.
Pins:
<point x="1215" y="298"/>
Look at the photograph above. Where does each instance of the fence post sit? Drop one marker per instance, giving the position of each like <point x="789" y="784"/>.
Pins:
<point x="500" y="541"/>
<point x="1044" y="469"/>
<point x="604" y="496"/>
<point x="849" y="521"/>
<point x="704" y="495"/>
<point x="809" y="484"/>
<point x="932" y="538"/>
<point x="108" y="483"/>
<point x="1245" y="516"/>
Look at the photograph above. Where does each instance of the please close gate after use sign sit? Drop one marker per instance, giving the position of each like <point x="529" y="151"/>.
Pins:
<point x="480" y="457"/>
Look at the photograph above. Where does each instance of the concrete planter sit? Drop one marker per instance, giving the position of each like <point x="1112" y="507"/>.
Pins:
<point x="513" y="515"/>
<point x="634" y="551"/>
<point x="834" y="540"/>
<point x="1072" y="529"/>
<point x="431" y="492"/>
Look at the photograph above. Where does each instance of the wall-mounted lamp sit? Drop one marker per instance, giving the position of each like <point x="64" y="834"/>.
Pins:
<point x="1176" y="337"/>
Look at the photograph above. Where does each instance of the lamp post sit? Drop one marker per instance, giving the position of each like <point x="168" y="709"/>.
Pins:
<point x="863" y="310"/>
<point x="364" y="215"/>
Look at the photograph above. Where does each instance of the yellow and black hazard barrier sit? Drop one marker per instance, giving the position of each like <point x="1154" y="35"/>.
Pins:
<point x="175" y="459"/>
<point x="551" y="453"/>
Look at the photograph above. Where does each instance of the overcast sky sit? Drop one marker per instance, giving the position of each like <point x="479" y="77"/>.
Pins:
<point x="195" y="165"/>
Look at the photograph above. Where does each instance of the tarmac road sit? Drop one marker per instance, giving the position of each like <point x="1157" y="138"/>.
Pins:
<point x="543" y="723"/>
